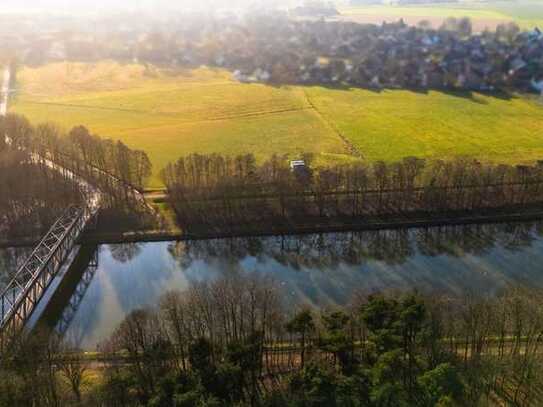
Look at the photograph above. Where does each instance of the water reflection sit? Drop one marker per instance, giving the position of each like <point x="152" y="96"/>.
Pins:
<point x="393" y="247"/>
<point x="320" y="270"/>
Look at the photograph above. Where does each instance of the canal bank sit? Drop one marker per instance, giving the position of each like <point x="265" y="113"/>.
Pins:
<point x="318" y="270"/>
<point x="308" y="226"/>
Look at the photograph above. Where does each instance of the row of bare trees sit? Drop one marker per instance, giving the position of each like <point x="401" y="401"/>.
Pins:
<point x="237" y="190"/>
<point x="234" y="341"/>
<point x="32" y="193"/>
<point x="80" y="151"/>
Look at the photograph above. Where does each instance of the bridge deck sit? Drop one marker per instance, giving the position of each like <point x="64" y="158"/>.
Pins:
<point x="20" y="297"/>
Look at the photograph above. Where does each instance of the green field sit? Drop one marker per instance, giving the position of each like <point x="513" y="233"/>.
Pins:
<point x="390" y="125"/>
<point x="526" y="13"/>
<point x="169" y="114"/>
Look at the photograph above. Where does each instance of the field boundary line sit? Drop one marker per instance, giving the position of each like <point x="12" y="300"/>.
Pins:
<point x="172" y="115"/>
<point x="351" y="148"/>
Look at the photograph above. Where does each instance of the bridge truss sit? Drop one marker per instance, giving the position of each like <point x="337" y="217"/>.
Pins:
<point x="19" y="298"/>
<point x="69" y="312"/>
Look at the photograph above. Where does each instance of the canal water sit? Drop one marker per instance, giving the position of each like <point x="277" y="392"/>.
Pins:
<point x="321" y="270"/>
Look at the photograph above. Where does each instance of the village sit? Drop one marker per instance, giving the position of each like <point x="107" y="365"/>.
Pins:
<point x="275" y="48"/>
<point x="390" y="56"/>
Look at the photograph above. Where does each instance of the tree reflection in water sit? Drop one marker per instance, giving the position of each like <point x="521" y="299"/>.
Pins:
<point x="125" y="252"/>
<point x="393" y="247"/>
<point x="319" y="269"/>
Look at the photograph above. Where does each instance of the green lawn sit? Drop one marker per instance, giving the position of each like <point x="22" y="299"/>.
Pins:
<point x="390" y="125"/>
<point x="527" y="13"/>
<point x="447" y="10"/>
<point x="169" y="114"/>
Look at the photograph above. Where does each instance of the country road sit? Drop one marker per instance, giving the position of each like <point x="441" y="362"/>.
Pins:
<point x="95" y="196"/>
<point x="5" y="92"/>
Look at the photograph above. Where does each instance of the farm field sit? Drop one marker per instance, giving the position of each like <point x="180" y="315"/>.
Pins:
<point x="526" y="13"/>
<point x="169" y="114"/>
<point x="390" y="125"/>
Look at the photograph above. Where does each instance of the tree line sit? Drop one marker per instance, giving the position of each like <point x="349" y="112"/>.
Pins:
<point x="31" y="189"/>
<point x="79" y="150"/>
<point x="32" y="196"/>
<point x="233" y="342"/>
<point x="232" y="191"/>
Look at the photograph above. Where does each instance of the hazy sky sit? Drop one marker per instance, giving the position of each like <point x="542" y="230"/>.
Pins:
<point x="100" y="5"/>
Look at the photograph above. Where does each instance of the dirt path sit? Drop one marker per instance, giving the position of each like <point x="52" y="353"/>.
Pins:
<point x="351" y="148"/>
<point x="172" y="114"/>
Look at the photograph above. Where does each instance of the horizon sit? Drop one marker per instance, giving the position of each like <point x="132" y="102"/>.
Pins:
<point x="86" y="6"/>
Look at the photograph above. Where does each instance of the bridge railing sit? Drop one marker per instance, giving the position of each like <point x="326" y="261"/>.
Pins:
<point x="22" y="294"/>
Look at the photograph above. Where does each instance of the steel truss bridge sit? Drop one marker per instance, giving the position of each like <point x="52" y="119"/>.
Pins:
<point x="20" y="297"/>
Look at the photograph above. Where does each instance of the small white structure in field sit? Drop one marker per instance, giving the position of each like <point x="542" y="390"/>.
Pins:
<point x="297" y="165"/>
<point x="241" y="77"/>
<point x="261" y="75"/>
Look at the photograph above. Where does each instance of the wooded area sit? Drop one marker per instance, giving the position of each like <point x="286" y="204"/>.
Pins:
<point x="233" y="342"/>
<point x="225" y="192"/>
<point x="32" y="194"/>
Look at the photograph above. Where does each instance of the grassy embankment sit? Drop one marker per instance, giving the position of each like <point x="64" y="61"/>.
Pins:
<point x="169" y="114"/>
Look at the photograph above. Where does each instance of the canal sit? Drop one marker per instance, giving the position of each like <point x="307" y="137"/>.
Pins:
<point x="320" y="270"/>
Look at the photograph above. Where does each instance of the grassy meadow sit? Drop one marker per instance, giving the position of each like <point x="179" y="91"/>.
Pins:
<point x="392" y="124"/>
<point x="169" y="114"/>
<point x="526" y="13"/>
<point x="173" y="113"/>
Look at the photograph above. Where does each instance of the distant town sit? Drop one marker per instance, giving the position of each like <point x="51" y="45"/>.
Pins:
<point x="271" y="47"/>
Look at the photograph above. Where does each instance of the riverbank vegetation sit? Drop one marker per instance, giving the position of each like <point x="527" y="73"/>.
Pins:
<point x="232" y="342"/>
<point x="31" y="196"/>
<point x="33" y="193"/>
<point x="78" y="150"/>
<point x="235" y="194"/>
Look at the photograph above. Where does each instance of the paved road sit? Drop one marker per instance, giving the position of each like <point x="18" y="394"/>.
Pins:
<point x="5" y="92"/>
<point x="94" y="195"/>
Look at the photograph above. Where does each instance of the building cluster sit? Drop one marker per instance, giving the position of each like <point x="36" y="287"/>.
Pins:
<point x="275" y="48"/>
<point x="387" y="56"/>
